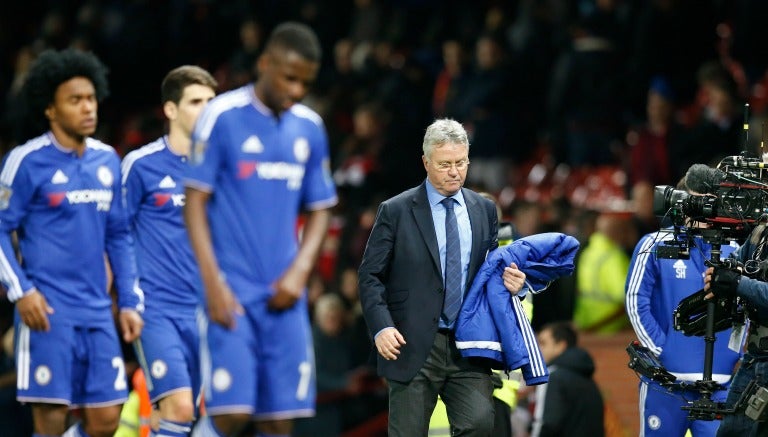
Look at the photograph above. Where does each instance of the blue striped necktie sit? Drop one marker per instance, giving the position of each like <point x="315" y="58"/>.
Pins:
<point x="452" y="302"/>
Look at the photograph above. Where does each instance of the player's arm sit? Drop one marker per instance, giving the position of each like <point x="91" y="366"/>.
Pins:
<point x="222" y="304"/>
<point x="318" y="196"/>
<point x="122" y="260"/>
<point x="641" y="283"/>
<point x="133" y="187"/>
<point x="290" y="286"/>
<point x="32" y="306"/>
<point x="16" y="191"/>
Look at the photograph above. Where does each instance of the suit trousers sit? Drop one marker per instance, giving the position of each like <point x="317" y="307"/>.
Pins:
<point x="466" y="389"/>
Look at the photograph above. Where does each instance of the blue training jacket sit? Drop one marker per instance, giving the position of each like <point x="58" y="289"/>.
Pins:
<point x="655" y="286"/>
<point x="492" y="324"/>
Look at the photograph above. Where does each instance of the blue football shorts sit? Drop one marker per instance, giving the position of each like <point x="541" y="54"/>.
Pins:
<point x="168" y="352"/>
<point x="80" y="365"/>
<point x="264" y="367"/>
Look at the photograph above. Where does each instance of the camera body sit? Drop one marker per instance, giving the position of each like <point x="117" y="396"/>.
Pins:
<point x="729" y="199"/>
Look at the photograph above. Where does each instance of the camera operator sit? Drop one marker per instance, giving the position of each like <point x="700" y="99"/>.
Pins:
<point x="654" y="288"/>
<point x="725" y="282"/>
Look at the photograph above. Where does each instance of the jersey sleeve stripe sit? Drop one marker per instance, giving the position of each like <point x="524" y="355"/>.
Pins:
<point x="17" y="155"/>
<point x="134" y="156"/>
<point x="633" y="288"/>
<point x="9" y="277"/>
<point x="304" y="111"/>
<point x="538" y="368"/>
<point x="93" y="143"/>
<point x="224" y="102"/>
<point x="197" y="185"/>
<point x="322" y="204"/>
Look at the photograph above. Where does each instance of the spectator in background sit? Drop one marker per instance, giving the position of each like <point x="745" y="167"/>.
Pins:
<point x="601" y="273"/>
<point x="344" y="90"/>
<point x="360" y="178"/>
<point x="651" y="149"/>
<point x="12" y="118"/>
<point x="242" y="63"/>
<point x="336" y="381"/>
<point x="527" y="218"/>
<point x="483" y="105"/>
<point x="585" y="106"/>
<point x="362" y="347"/>
<point x="359" y="174"/>
<point x="450" y="82"/>
<point x="570" y="403"/>
<point x="719" y="130"/>
<point x="672" y="38"/>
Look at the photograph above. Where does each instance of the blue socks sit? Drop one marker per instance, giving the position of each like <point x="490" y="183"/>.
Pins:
<point x="168" y="428"/>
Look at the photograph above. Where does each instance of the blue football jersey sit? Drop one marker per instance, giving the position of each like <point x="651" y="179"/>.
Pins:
<point x="261" y="170"/>
<point x="68" y="212"/>
<point x="154" y="197"/>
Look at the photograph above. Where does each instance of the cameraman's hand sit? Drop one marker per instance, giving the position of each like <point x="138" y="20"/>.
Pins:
<point x="721" y="282"/>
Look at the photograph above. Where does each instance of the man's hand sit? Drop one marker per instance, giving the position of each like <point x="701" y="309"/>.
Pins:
<point x="223" y="305"/>
<point x="513" y="278"/>
<point x="34" y="310"/>
<point x="288" y="289"/>
<point x="721" y="282"/>
<point x="131" y="324"/>
<point x="388" y="343"/>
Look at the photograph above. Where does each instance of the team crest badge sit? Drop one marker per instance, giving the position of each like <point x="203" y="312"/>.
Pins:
<point x="105" y="176"/>
<point x="221" y="380"/>
<point x="654" y="422"/>
<point x="159" y="369"/>
<point x="42" y="375"/>
<point x="301" y="149"/>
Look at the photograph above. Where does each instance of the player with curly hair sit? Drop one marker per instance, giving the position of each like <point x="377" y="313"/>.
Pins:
<point x="60" y="193"/>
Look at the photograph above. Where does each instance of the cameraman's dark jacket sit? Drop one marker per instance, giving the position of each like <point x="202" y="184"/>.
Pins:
<point x="753" y="290"/>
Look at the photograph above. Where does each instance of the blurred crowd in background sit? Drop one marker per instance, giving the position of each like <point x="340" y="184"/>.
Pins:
<point x="576" y="110"/>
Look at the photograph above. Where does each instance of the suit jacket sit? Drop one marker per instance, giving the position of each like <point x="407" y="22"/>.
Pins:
<point x="400" y="276"/>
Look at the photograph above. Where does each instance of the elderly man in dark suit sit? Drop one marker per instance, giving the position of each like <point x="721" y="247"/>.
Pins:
<point x="424" y="250"/>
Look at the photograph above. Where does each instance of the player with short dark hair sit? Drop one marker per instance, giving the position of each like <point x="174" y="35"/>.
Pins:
<point x="258" y="158"/>
<point x="60" y="193"/>
<point x="152" y="180"/>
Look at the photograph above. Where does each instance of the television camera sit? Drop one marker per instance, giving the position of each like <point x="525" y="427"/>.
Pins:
<point x="728" y="199"/>
<point x="722" y="204"/>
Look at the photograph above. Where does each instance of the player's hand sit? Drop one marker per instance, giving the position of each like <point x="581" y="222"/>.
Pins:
<point x="131" y="324"/>
<point x="223" y="306"/>
<point x="288" y="289"/>
<point x="34" y="310"/>
<point x="388" y="343"/>
<point x="513" y="278"/>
